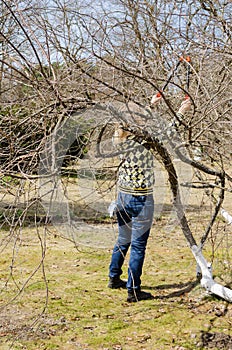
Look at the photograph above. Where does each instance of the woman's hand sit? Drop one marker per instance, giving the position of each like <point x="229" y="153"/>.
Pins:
<point x="155" y="99"/>
<point x="185" y="106"/>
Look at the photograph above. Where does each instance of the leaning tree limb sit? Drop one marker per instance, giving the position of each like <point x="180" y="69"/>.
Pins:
<point x="207" y="280"/>
<point x="218" y="209"/>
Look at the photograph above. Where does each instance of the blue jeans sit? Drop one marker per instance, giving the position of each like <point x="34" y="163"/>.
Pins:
<point x="135" y="216"/>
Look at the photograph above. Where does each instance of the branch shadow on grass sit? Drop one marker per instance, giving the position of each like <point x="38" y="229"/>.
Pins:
<point x="182" y="288"/>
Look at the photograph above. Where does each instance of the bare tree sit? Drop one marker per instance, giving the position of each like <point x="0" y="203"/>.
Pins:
<point x="75" y="70"/>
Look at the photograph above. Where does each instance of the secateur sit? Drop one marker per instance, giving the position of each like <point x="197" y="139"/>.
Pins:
<point x="187" y="61"/>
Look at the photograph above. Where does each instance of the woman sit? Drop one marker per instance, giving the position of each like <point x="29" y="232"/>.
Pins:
<point x="135" y="209"/>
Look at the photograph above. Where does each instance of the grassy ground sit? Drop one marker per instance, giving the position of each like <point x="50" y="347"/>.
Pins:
<point x="65" y="303"/>
<point x="54" y="295"/>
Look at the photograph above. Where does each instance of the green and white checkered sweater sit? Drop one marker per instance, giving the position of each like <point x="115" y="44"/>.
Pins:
<point x="136" y="173"/>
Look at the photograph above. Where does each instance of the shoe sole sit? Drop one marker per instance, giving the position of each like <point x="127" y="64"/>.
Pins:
<point x="135" y="300"/>
<point x="117" y="287"/>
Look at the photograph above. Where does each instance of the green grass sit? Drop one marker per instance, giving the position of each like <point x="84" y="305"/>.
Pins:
<point x="82" y="313"/>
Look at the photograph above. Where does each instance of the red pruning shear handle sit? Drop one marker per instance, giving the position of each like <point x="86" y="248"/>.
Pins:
<point x="188" y="60"/>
